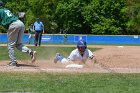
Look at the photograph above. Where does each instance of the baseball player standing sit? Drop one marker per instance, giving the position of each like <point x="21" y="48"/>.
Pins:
<point x="15" y="32"/>
<point x="39" y="29"/>
<point x="31" y="33"/>
<point x="80" y="55"/>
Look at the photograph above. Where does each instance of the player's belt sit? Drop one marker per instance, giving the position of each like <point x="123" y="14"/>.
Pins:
<point x="7" y="26"/>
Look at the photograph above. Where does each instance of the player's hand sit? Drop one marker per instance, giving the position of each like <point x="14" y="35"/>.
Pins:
<point x="94" y="60"/>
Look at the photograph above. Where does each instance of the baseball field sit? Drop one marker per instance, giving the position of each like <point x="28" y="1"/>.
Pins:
<point x="116" y="71"/>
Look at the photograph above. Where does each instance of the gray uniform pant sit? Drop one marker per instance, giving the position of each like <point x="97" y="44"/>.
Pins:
<point x="15" y="33"/>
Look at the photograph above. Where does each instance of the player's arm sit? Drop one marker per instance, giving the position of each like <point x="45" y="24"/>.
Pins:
<point x="92" y="57"/>
<point x="43" y="28"/>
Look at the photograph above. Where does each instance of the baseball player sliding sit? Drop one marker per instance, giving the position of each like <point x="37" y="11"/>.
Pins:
<point x="77" y="57"/>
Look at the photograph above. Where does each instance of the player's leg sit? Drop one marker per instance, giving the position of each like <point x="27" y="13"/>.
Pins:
<point x="40" y="37"/>
<point x="29" y="38"/>
<point x="36" y="38"/>
<point x="60" y="58"/>
<point x="12" y="38"/>
<point x="19" y="44"/>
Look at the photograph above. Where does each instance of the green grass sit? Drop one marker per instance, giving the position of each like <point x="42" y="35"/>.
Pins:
<point x="43" y="52"/>
<point x="69" y="83"/>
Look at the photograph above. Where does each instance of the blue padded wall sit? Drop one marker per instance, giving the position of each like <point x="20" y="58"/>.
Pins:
<point x="91" y="39"/>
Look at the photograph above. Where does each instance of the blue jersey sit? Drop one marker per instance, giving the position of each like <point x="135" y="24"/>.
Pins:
<point x="38" y="26"/>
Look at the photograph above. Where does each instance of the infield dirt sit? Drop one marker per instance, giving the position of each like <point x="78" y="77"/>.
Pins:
<point x="116" y="59"/>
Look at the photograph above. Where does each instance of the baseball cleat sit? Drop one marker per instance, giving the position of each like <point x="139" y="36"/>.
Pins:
<point x="33" y="56"/>
<point x="14" y="64"/>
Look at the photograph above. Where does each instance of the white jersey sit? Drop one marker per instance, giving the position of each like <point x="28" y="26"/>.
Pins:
<point x="76" y="56"/>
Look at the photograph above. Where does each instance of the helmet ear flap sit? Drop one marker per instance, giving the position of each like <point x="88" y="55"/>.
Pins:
<point x="85" y="47"/>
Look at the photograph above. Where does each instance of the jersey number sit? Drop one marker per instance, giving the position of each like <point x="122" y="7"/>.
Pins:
<point x="8" y="13"/>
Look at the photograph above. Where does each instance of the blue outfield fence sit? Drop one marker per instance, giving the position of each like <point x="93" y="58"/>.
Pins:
<point x="91" y="39"/>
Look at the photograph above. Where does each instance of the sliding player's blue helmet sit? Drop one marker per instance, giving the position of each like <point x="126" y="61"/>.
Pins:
<point x="81" y="45"/>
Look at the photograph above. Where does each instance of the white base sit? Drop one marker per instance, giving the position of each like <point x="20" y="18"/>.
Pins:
<point x="74" y="66"/>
